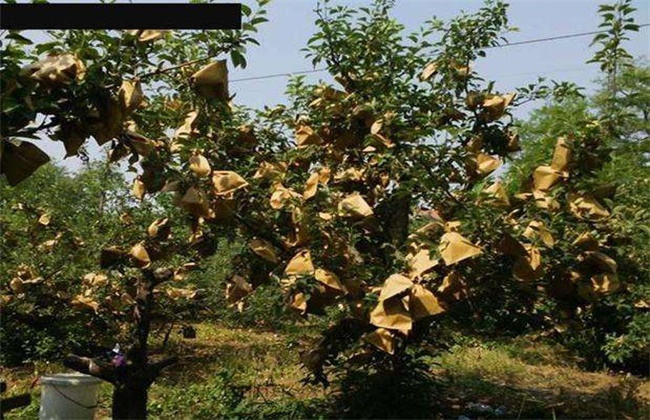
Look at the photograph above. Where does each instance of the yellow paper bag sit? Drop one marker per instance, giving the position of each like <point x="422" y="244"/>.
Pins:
<point x="147" y="35"/>
<point x="537" y="229"/>
<point x="428" y="71"/>
<point x="56" y="70"/>
<point x="544" y="201"/>
<point x="354" y="206"/>
<point x="300" y="265"/>
<point x="395" y="285"/>
<point x="189" y="126"/>
<point x="349" y="174"/>
<point x="305" y="136"/>
<point x="528" y="267"/>
<point x="311" y="186"/>
<point x="329" y="279"/>
<point x="227" y="182"/>
<point x="455" y="248"/>
<point x="392" y="314"/>
<point x="268" y="170"/>
<point x="299" y="301"/>
<point x="497" y="195"/>
<point x="561" y="155"/>
<point x="195" y="203"/>
<point x="199" y="165"/>
<point x="158" y="228"/>
<point x="138" y="189"/>
<point x="281" y="196"/>
<point x="140" y="254"/>
<point x="486" y="164"/>
<point x="20" y="161"/>
<point x="605" y="283"/>
<point x="211" y="80"/>
<point x="603" y="261"/>
<point x="453" y="287"/>
<point x="130" y="95"/>
<point x="545" y="177"/>
<point x="419" y="261"/>
<point x="586" y="241"/>
<point x="585" y="206"/>
<point x="494" y="106"/>
<point x="381" y="338"/>
<point x="264" y="249"/>
<point x="424" y="303"/>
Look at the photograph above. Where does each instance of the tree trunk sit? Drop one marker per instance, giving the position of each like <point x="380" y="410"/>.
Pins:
<point x="130" y="382"/>
<point x="130" y="400"/>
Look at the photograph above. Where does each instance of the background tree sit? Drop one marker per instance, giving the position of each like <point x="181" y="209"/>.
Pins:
<point x="53" y="225"/>
<point x="612" y="329"/>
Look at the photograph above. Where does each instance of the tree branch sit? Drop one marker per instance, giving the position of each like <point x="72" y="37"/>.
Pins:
<point x="29" y="131"/>
<point x="156" y="367"/>
<point x="259" y="232"/>
<point x="181" y="65"/>
<point x="83" y="365"/>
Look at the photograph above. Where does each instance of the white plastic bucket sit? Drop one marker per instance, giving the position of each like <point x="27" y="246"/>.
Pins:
<point x="68" y="396"/>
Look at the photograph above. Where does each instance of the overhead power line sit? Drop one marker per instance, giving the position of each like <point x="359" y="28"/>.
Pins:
<point x="269" y="76"/>
<point x="510" y="44"/>
<point x="555" y="38"/>
<point x="544" y="72"/>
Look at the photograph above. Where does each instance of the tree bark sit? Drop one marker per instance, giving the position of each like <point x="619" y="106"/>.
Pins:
<point x="130" y="399"/>
<point x="130" y="382"/>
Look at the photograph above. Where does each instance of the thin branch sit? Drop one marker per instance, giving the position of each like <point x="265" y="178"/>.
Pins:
<point x="167" y="334"/>
<point x="185" y="64"/>
<point x="433" y="176"/>
<point x="259" y="232"/>
<point x="29" y="131"/>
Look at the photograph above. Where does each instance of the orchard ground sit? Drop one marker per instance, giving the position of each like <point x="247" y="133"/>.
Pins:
<point x="229" y="372"/>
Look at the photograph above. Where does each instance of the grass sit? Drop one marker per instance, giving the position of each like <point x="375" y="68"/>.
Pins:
<point x="248" y="373"/>
<point x="538" y="380"/>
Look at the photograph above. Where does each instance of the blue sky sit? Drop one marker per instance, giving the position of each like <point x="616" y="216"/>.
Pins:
<point x="291" y="24"/>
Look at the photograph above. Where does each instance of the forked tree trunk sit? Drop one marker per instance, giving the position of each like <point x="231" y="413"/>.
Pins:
<point x="130" y="387"/>
<point x="131" y="382"/>
<point x="130" y="400"/>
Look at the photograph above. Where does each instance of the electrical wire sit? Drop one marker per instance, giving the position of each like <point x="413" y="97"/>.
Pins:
<point x="555" y="38"/>
<point x="510" y="44"/>
<point x="545" y="72"/>
<point x="270" y="76"/>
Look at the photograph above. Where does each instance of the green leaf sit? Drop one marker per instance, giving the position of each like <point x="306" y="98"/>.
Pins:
<point x="14" y="35"/>
<point x="238" y="59"/>
<point x="45" y="47"/>
<point x="258" y="20"/>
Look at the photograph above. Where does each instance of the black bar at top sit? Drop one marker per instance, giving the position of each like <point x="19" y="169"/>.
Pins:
<point x="120" y="16"/>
